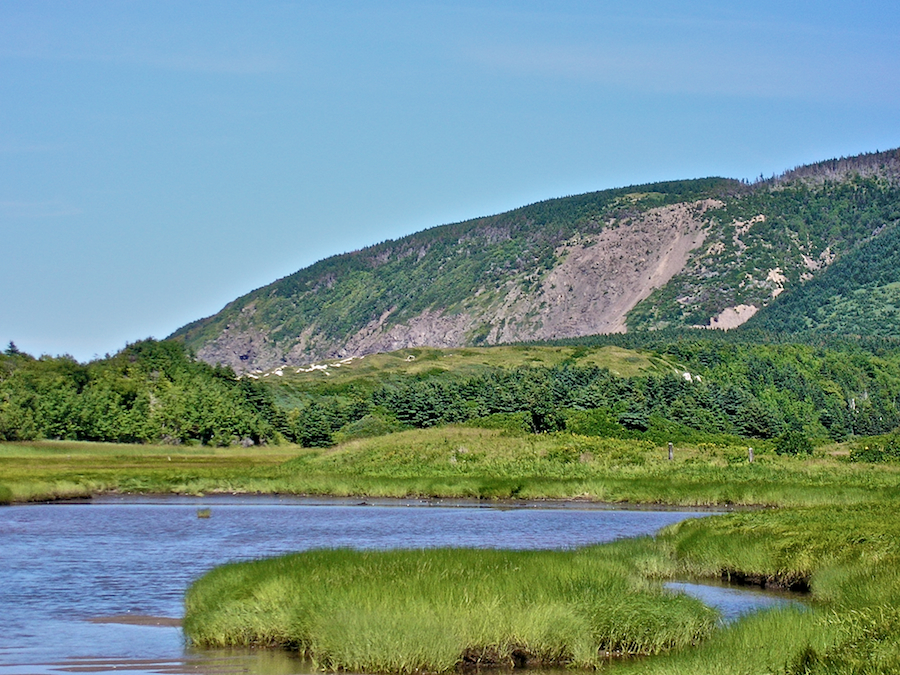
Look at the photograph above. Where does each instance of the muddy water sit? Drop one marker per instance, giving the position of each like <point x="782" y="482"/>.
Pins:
<point x="98" y="586"/>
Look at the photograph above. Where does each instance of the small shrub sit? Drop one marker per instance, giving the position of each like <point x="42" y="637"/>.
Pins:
<point x="512" y="422"/>
<point x="879" y="449"/>
<point x="793" y="443"/>
<point x="595" y="422"/>
<point x="368" y="426"/>
<point x="634" y="420"/>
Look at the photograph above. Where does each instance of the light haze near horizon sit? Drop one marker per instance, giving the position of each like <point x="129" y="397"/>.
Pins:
<point x="159" y="159"/>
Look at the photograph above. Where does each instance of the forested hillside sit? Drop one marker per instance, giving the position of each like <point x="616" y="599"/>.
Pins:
<point x="811" y="250"/>
<point x="705" y="387"/>
<point x="482" y="281"/>
<point x="858" y="295"/>
<point x="779" y="240"/>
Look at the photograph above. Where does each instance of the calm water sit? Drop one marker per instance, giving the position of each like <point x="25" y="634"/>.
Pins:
<point x="65" y="569"/>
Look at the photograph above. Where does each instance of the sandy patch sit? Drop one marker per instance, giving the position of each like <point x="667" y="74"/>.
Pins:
<point x="137" y="620"/>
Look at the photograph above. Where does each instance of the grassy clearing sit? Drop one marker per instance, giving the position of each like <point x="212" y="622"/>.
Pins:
<point x="473" y="361"/>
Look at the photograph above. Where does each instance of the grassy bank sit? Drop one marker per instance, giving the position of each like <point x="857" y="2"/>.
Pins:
<point x="411" y="610"/>
<point x="439" y="610"/>
<point x="50" y="470"/>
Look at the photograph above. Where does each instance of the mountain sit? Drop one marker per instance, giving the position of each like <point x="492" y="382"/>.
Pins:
<point x="799" y="252"/>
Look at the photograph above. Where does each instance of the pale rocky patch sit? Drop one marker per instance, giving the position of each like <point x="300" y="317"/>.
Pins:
<point x="732" y="317"/>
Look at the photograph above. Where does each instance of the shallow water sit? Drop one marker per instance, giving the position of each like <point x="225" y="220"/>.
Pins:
<point x="734" y="602"/>
<point x="78" y="577"/>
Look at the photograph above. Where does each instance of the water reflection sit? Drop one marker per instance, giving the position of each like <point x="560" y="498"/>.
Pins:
<point x="71" y="572"/>
<point x="734" y="602"/>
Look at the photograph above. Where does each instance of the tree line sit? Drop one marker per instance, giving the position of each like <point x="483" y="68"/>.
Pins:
<point x="156" y="391"/>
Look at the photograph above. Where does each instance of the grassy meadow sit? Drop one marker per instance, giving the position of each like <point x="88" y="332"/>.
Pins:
<point x="457" y="462"/>
<point x="467" y="361"/>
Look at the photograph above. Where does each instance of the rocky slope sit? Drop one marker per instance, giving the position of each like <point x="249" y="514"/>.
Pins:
<point x="707" y="253"/>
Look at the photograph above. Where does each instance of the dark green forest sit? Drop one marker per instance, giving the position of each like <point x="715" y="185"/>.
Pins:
<point x="156" y="392"/>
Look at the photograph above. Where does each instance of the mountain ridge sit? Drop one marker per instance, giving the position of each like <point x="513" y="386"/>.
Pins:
<point x="708" y="252"/>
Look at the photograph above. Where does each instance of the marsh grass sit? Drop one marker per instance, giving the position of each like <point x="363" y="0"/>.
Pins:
<point x="51" y="470"/>
<point x="496" y="463"/>
<point x="438" y="610"/>
<point x="835" y="531"/>
<point x="403" y="611"/>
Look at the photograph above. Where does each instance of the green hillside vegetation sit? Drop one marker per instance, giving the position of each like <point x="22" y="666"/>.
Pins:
<point x="858" y="295"/>
<point x="737" y="389"/>
<point x="419" y="361"/>
<point x="150" y="391"/>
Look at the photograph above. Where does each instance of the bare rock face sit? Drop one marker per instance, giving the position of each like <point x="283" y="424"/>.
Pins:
<point x="601" y="280"/>
<point x="732" y="317"/>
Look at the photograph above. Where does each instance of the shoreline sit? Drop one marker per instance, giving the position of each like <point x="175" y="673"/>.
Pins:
<point x="222" y="498"/>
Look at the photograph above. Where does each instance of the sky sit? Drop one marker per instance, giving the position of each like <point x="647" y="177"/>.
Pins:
<point x="159" y="159"/>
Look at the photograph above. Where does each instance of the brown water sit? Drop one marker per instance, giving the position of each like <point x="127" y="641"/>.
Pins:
<point x="98" y="586"/>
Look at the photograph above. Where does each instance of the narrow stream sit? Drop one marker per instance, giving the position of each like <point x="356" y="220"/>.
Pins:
<point x="94" y="587"/>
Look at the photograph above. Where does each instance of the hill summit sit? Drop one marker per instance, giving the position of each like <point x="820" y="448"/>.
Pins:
<point x="816" y="249"/>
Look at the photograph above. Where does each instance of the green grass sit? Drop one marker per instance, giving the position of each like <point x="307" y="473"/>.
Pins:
<point x="439" y="610"/>
<point x="848" y="556"/>
<point x="470" y="361"/>
<point x="49" y="470"/>
<point x="404" y="611"/>
<point x="460" y="462"/>
<point x="490" y="463"/>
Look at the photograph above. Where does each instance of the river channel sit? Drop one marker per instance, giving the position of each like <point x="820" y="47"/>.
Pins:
<point x="98" y="586"/>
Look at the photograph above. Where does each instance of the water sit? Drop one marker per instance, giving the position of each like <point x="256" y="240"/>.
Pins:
<point x="733" y="603"/>
<point x="78" y="580"/>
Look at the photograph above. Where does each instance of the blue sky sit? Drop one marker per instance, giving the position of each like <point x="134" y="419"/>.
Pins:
<point x="159" y="159"/>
